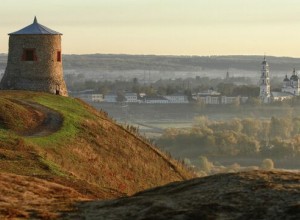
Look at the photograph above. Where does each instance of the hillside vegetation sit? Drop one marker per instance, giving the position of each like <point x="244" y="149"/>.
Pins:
<point x="245" y="195"/>
<point x="87" y="152"/>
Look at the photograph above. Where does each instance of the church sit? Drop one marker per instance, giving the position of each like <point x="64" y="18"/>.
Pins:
<point x="290" y="87"/>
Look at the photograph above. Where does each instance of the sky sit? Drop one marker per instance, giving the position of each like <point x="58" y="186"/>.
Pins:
<point x="162" y="27"/>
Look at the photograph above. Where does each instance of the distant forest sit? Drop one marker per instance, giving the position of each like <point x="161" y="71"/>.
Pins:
<point x="114" y="62"/>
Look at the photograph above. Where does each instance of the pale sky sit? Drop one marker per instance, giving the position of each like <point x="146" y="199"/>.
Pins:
<point x="170" y="27"/>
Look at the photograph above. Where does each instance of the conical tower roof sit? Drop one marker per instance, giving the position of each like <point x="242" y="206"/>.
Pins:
<point x="35" y="29"/>
<point x="264" y="62"/>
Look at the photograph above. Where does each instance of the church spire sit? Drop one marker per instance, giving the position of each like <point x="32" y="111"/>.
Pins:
<point x="35" y="20"/>
<point x="265" y="92"/>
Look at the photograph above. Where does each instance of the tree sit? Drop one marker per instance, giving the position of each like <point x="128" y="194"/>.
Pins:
<point x="253" y="101"/>
<point x="251" y="127"/>
<point x="225" y="88"/>
<point x="205" y="165"/>
<point x="244" y="90"/>
<point x="248" y="146"/>
<point x="201" y="121"/>
<point x="280" y="127"/>
<point x="120" y="97"/>
<point x="135" y="81"/>
<point x="296" y="126"/>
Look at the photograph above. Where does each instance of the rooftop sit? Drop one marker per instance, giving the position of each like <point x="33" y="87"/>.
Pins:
<point x="35" y="29"/>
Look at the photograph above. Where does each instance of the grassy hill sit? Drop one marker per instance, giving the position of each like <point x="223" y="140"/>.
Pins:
<point x="249" y="195"/>
<point x="81" y="152"/>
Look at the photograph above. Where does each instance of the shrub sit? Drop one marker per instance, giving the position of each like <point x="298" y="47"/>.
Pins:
<point x="267" y="164"/>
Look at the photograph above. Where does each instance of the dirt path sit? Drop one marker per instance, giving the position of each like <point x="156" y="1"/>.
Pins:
<point x="51" y="123"/>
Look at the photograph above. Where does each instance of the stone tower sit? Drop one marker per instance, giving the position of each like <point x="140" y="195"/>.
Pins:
<point x="35" y="61"/>
<point x="264" y="84"/>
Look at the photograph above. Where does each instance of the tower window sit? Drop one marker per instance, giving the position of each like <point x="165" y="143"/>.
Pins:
<point x="58" y="56"/>
<point x="29" y="55"/>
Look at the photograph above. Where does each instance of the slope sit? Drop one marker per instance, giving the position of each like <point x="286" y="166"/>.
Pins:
<point x="86" y="151"/>
<point x="246" y="195"/>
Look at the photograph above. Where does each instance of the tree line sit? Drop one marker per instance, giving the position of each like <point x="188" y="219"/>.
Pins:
<point x="275" y="138"/>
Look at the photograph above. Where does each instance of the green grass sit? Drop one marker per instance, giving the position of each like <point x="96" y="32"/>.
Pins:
<point x="73" y="113"/>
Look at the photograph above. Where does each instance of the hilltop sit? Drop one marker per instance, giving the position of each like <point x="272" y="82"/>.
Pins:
<point x="245" y="195"/>
<point x="56" y="150"/>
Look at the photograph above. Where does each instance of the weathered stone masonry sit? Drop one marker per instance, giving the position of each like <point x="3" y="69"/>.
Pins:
<point x="34" y="61"/>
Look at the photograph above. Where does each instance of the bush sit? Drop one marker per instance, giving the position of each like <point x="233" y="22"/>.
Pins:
<point x="205" y="165"/>
<point x="267" y="164"/>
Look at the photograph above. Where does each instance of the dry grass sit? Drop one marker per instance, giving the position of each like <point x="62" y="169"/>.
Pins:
<point x="17" y="117"/>
<point x="28" y="197"/>
<point x="91" y="156"/>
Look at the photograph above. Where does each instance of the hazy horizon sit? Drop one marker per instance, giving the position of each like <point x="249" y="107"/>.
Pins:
<point x="169" y="27"/>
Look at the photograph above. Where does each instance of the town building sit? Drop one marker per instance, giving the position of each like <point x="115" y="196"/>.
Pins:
<point x="212" y="97"/>
<point x="264" y="83"/>
<point x="96" y="97"/>
<point x="110" y="97"/>
<point x="177" y="99"/>
<point x="155" y="100"/>
<point x="290" y="87"/>
<point x="131" y="97"/>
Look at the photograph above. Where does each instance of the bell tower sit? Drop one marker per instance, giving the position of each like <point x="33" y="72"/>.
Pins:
<point x="264" y="83"/>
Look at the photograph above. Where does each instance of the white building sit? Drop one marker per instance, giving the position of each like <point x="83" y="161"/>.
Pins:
<point x="230" y="100"/>
<point x="155" y="100"/>
<point x="209" y="97"/>
<point x="96" y="97"/>
<point x="131" y="97"/>
<point x="281" y="96"/>
<point x="264" y="83"/>
<point x="177" y="98"/>
<point x="212" y="97"/>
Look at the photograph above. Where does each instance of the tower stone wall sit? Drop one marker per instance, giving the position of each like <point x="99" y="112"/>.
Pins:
<point x="42" y="72"/>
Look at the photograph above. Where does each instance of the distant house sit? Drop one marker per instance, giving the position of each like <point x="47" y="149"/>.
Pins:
<point x="110" y="97"/>
<point x="96" y="97"/>
<point x="142" y="94"/>
<point x="88" y="95"/>
<point x="155" y="100"/>
<point x="212" y="97"/>
<point x="209" y="97"/>
<point x="131" y="97"/>
<point x="177" y="98"/>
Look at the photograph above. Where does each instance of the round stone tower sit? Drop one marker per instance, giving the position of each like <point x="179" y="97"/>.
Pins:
<point x="35" y="61"/>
